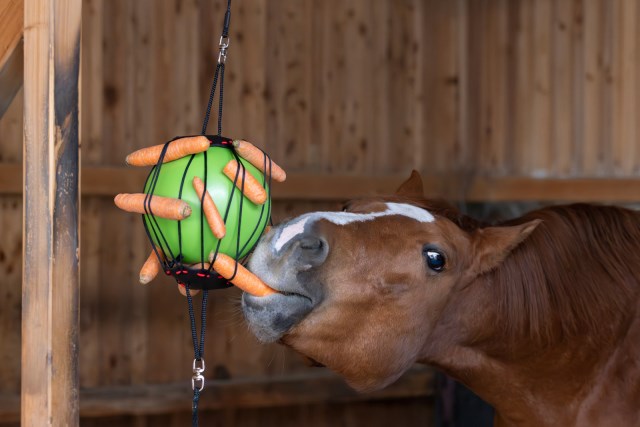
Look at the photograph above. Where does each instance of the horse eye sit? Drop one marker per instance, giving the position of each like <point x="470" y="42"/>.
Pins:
<point x="435" y="259"/>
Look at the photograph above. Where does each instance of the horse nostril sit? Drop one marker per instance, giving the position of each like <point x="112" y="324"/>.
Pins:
<point x="311" y="243"/>
<point x="311" y="250"/>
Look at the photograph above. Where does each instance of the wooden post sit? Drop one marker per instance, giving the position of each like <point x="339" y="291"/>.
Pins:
<point x="50" y="288"/>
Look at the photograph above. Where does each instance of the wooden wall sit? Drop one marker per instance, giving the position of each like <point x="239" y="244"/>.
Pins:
<point x="521" y="91"/>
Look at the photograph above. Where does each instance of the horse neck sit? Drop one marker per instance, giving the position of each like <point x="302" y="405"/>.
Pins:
<point x="523" y="338"/>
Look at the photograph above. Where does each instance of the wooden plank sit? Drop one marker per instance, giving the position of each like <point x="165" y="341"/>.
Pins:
<point x="107" y="181"/>
<point x="538" y="156"/>
<point x="311" y="387"/>
<point x="11" y="51"/>
<point x="594" y="78"/>
<point x="10" y="262"/>
<point x="11" y="24"/>
<point x="623" y="138"/>
<point x="50" y="297"/>
<point x="563" y="105"/>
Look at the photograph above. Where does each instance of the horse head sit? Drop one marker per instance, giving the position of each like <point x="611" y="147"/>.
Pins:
<point x="362" y="291"/>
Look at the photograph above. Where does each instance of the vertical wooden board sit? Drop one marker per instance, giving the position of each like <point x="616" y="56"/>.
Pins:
<point x="288" y="66"/>
<point x="636" y="162"/>
<point x="488" y="48"/>
<point x="165" y="118"/>
<point x="115" y="303"/>
<point x="251" y="60"/>
<point x="442" y="143"/>
<point x="593" y="82"/>
<point x="169" y="338"/>
<point x="211" y="13"/>
<point x="623" y="138"/>
<point x="117" y="83"/>
<point x="523" y="86"/>
<point x="405" y="144"/>
<point x="607" y="48"/>
<point x="143" y="134"/>
<point x="475" y="29"/>
<point x="360" y="87"/>
<point x="10" y="292"/>
<point x="93" y="90"/>
<point x="539" y="148"/>
<point x="11" y="131"/>
<point x="563" y="139"/>
<point x="332" y="17"/>
<point x="244" y="102"/>
<point x="497" y="94"/>
<point x="378" y="100"/>
<point x="181" y="37"/>
<point x="578" y="84"/>
<point x="50" y="296"/>
<point x="90" y="278"/>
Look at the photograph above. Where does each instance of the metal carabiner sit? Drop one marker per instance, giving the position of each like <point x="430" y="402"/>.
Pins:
<point x="197" y="380"/>
<point x="223" y="45"/>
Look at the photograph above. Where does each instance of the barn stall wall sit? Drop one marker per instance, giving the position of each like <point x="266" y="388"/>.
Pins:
<point x="492" y="100"/>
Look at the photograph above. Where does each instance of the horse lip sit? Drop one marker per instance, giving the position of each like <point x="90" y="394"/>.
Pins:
<point x="272" y="316"/>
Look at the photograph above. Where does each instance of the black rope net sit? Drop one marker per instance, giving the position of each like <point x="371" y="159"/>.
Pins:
<point x="201" y="275"/>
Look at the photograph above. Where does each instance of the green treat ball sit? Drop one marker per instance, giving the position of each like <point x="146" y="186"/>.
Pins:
<point x="254" y="217"/>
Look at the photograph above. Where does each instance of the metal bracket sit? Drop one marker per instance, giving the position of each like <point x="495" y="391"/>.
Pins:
<point x="197" y="380"/>
<point x="223" y="45"/>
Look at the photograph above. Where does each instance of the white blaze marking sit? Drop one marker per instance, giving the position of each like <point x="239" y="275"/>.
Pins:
<point x="343" y="218"/>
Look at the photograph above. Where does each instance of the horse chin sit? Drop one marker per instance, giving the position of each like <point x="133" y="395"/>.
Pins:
<point x="270" y="317"/>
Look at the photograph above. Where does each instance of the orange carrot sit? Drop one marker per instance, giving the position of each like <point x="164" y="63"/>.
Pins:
<point x="216" y="224"/>
<point x="256" y="157"/>
<point x="163" y="207"/>
<point x="244" y="279"/>
<point x="252" y="188"/>
<point x="183" y="290"/>
<point x="150" y="268"/>
<point x="177" y="149"/>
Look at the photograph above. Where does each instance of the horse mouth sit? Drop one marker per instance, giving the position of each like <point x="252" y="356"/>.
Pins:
<point x="290" y="271"/>
<point x="271" y="317"/>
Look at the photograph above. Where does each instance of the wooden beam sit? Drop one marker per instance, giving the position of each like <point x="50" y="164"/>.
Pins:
<point x="108" y="181"/>
<point x="50" y="288"/>
<point x="11" y="51"/>
<point x="11" y="24"/>
<point x="314" y="387"/>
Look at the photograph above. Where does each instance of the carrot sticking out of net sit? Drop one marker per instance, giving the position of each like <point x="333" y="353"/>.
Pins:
<point x="177" y="149"/>
<point x="252" y="188"/>
<point x="150" y="268"/>
<point x="163" y="207"/>
<point x="211" y="213"/>
<point x="256" y="157"/>
<point x="225" y="266"/>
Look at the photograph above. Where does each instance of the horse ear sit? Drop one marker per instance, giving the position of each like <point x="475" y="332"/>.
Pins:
<point x="493" y="244"/>
<point x="412" y="187"/>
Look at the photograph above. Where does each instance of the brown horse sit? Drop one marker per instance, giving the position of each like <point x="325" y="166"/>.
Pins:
<point x="540" y="316"/>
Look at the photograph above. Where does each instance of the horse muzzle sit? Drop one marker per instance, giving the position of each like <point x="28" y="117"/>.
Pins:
<point x="292" y="270"/>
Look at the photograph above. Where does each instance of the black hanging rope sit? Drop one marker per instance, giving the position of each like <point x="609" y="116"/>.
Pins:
<point x="197" y="381"/>
<point x="223" y="45"/>
<point x="173" y="264"/>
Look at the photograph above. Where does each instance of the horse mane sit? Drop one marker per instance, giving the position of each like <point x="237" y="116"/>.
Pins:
<point x="577" y="274"/>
